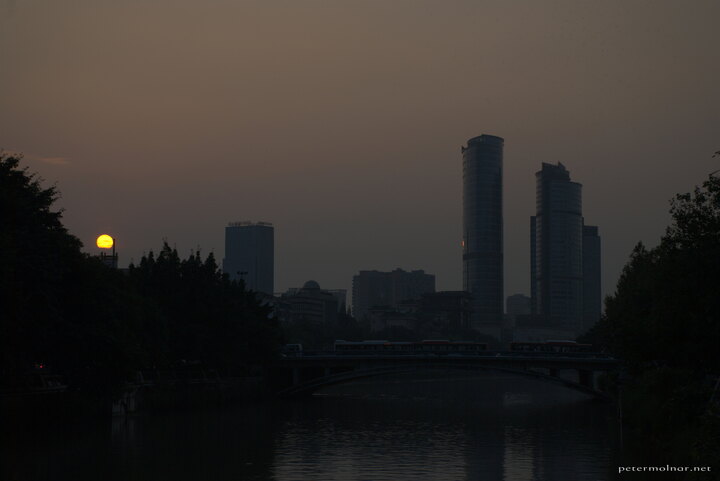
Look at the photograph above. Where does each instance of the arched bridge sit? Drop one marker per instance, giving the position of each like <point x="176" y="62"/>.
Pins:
<point x="305" y="373"/>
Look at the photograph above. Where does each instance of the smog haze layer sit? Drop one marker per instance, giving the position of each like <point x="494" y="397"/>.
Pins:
<point x="341" y="122"/>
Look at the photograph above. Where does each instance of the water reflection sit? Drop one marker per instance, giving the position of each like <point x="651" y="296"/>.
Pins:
<point x="445" y="426"/>
<point x="437" y="425"/>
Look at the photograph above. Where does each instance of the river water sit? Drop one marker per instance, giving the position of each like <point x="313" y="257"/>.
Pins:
<point x="429" y="426"/>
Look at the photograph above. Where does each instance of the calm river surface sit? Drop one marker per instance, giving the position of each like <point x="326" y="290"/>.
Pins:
<point x="431" y="426"/>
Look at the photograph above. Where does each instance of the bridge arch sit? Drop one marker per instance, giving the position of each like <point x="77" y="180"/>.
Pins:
<point x="310" y="386"/>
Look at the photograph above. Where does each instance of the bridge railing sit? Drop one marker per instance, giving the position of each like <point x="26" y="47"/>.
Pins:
<point x="487" y="354"/>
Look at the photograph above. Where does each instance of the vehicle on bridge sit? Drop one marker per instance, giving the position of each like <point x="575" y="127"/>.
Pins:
<point x="291" y="350"/>
<point x="409" y="347"/>
<point x="550" y="346"/>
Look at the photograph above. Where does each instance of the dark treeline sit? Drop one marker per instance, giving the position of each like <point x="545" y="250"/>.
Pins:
<point x="96" y="326"/>
<point x="203" y="315"/>
<point x="664" y="322"/>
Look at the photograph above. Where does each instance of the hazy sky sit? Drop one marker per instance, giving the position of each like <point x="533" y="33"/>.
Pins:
<point x="341" y="121"/>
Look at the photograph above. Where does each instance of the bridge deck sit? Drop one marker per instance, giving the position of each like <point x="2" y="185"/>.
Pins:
<point x="332" y="368"/>
<point x="592" y="362"/>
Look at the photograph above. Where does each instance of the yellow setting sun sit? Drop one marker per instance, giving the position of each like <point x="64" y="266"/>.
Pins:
<point x="104" y="241"/>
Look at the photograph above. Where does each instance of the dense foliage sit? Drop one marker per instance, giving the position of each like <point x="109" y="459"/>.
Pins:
<point x="96" y="326"/>
<point x="664" y="322"/>
<point x="204" y="316"/>
<point x="667" y="305"/>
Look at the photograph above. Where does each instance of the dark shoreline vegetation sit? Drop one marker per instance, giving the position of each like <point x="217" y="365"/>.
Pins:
<point x="664" y="322"/>
<point x="98" y="327"/>
<point x="67" y="313"/>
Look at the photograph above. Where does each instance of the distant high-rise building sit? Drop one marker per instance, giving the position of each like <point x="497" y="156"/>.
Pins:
<point x="592" y="296"/>
<point x="533" y="268"/>
<point x="309" y="303"/>
<point x="375" y="288"/>
<point x="449" y="309"/>
<point x="517" y="305"/>
<point x="557" y="250"/>
<point x="483" y="230"/>
<point x="250" y="254"/>
<point x="341" y="297"/>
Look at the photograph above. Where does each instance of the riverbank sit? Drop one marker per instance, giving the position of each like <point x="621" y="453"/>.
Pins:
<point x="138" y="398"/>
<point x="670" y="417"/>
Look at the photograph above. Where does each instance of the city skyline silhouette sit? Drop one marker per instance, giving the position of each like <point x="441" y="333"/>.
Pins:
<point x="342" y="124"/>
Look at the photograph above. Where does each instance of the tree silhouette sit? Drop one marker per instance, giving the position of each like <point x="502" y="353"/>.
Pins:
<point x="667" y="304"/>
<point x="97" y="326"/>
<point x="61" y="308"/>
<point x="664" y="322"/>
<point x="206" y="316"/>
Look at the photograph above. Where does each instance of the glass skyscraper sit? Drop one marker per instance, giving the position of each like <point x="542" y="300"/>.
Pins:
<point x="592" y="296"/>
<point x="250" y="254"/>
<point x="483" y="230"/>
<point x="557" y="250"/>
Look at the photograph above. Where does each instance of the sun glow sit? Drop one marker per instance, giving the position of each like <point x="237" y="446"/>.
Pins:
<point x="104" y="241"/>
